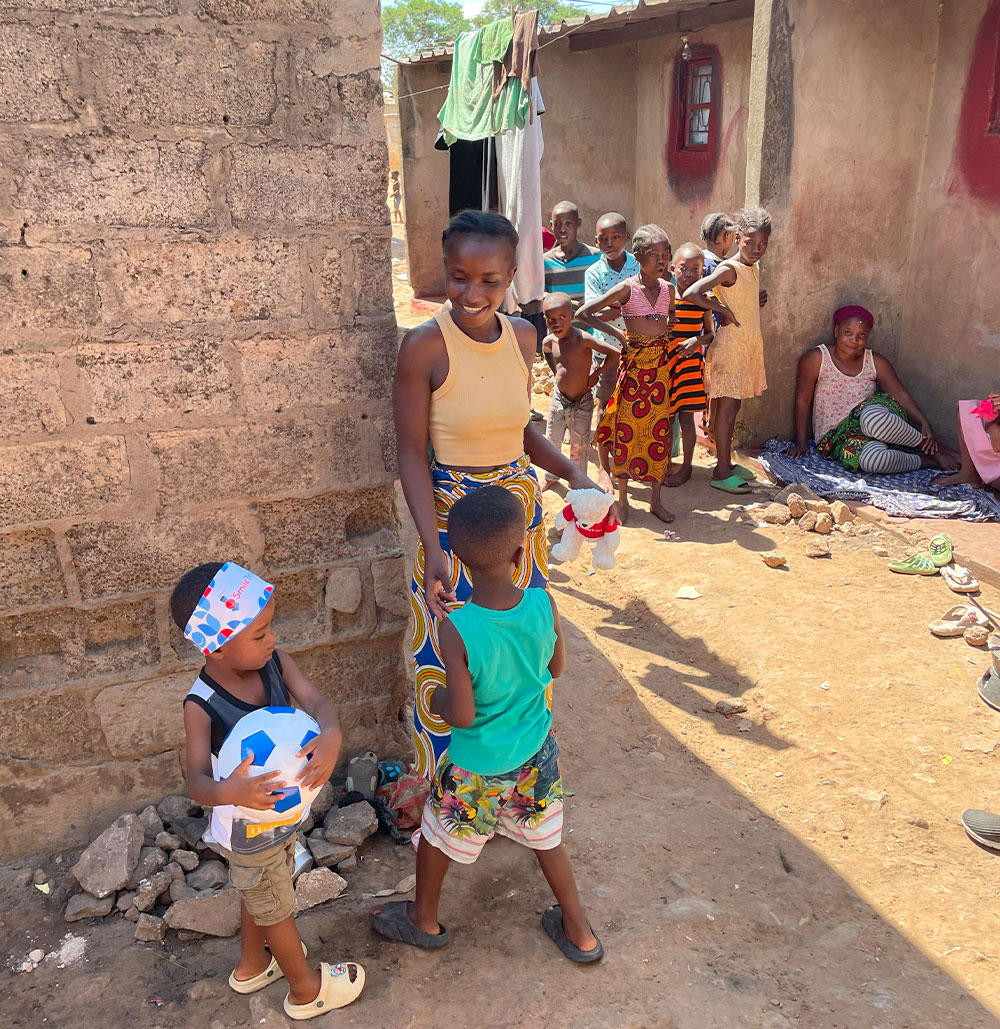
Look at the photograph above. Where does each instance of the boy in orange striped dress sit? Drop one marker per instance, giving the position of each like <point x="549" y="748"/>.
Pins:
<point x="690" y="333"/>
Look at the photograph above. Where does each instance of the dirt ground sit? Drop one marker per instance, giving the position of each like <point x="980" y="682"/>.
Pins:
<point x="799" y="865"/>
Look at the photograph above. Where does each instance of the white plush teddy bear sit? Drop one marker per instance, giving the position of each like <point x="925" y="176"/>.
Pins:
<point x="585" y="516"/>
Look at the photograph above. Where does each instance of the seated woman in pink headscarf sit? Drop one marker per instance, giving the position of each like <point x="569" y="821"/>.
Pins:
<point x="979" y="438"/>
<point x="862" y="415"/>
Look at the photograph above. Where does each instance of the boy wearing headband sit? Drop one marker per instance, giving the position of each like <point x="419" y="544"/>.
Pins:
<point x="226" y="611"/>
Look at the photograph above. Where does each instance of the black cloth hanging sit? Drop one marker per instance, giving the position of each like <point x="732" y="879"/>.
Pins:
<point x="472" y="174"/>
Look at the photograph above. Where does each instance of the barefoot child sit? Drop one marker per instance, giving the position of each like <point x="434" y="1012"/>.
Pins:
<point x="226" y="612"/>
<point x="569" y="353"/>
<point x="463" y="384"/>
<point x="501" y="772"/>
<point x="637" y="423"/>
<point x="615" y="265"/>
<point x="397" y="198"/>
<point x="567" y="262"/>
<point x="736" y="369"/>
<point x="692" y="331"/>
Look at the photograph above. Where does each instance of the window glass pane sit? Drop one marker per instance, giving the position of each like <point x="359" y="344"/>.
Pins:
<point x="697" y="129"/>
<point x="701" y="85"/>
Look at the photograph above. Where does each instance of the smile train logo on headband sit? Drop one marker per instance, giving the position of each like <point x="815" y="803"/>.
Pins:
<point x="219" y="614"/>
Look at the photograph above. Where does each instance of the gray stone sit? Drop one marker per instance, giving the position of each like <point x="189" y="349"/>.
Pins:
<point x="107" y="864"/>
<point x="174" y="806"/>
<point x="189" y="829"/>
<point x="151" y="859"/>
<point x="326" y="853"/>
<point x="83" y="905"/>
<point x="132" y="915"/>
<point x="168" y="841"/>
<point x="150" y="822"/>
<point x="343" y="590"/>
<point x="690" y="911"/>
<point x="179" y="890"/>
<point x="187" y="859"/>
<point x="209" y="875"/>
<point x="150" y="929"/>
<point x="151" y="888"/>
<point x="266" y="1014"/>
<point x="125" y="901"/>
<point x="175" y="870"/>
<point x="349" y="864"/>
<point x="317" y="887"/>
<point x="350" y="825"/>
<point x="22" y="879"/>
<point x="215" y="913"/>
<point x="202" y="990"/>
<point x="322" y="801"/>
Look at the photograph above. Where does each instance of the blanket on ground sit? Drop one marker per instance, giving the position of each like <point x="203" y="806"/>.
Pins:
<point x="907" y="495"/>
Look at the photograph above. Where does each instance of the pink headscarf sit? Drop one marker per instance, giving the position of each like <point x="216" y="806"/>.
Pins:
<point x="853" y="311"/>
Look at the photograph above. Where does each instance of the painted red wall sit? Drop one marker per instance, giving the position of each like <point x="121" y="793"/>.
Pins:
<point x="976" y="164"/>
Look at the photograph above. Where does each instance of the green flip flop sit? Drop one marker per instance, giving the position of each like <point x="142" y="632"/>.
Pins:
<point x="918" y="564"/>
<point x="940" y="549"/>
<point x="744" y="473"/>
<point x="733" y="484"/>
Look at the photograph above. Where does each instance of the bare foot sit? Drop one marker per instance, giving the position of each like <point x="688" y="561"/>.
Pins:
<point x="624" y="510"/>
<point x="656" y="507"/>
<point x="957" y="479"/>
<point x="946" y="461"/>
<point x="679" y="477"/>
<point x="549" y="484"/>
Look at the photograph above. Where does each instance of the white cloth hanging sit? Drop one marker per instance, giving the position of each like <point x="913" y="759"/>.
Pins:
<point x="519" y="159"/>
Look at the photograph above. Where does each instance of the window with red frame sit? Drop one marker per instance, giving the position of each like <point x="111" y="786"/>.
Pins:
<point x="696" y="98"/>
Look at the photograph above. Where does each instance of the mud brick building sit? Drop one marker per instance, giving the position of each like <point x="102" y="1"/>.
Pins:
<point x="196" y="347"/>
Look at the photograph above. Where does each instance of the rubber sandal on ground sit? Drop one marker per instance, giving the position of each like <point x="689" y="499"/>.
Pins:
<point x="956" y="620"/>
<point x="989" y="688"/>
<point x="733" y="484"/>
<point x="959" y="579"/>
<point x="918" y="564"/>
<point x="270" y="974"/>
<point x="394" y="923"/>
<point x="940" y="549"/>
<point x="746" y="474"/>
<point x="983" y="827"/>
<point x="335" y="991"/>
<point x="553" y="924"/>
<point x="993" y="646"/>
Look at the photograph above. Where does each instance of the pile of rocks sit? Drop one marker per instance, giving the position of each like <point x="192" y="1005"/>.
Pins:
<point x="541" y="377"/>
<point x="807" y="511"/>
<point x="154" y="868"/>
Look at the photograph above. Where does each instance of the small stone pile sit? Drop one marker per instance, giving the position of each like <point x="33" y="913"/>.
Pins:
<point x="808" y="512"/>
<point x="153" y="868"/>
<point x="541" y="377"/>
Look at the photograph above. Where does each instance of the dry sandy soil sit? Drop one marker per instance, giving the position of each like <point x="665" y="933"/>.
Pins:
<point x="820" y="830"/>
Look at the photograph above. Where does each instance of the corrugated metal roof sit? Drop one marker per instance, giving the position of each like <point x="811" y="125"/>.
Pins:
<point x="631" y="14"/>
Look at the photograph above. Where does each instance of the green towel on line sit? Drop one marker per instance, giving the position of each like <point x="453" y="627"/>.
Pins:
<point x="468" y="112"/>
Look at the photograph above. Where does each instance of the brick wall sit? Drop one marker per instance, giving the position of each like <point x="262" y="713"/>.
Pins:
<point x="196" y="348"/>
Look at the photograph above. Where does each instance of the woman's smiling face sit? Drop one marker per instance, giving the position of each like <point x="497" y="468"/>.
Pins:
<point x="851" y="336"/>
<point x="478" y="270"/>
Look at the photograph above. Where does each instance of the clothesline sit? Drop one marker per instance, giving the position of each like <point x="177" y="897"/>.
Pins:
<point x="541" y="46"/>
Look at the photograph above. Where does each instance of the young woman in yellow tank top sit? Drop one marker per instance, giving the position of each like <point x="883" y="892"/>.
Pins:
<point x="463" y="385"/>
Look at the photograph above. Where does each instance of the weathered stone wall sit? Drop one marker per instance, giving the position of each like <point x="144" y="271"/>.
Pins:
<point x="196" y="349"/>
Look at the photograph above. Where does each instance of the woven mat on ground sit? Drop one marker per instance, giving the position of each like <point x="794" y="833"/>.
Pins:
<point x="909" y="495"/>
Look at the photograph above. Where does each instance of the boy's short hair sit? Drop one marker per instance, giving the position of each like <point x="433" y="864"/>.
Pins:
<point x="486" y="526"/>
<point x="647" y="236"/>
<point x="189" y="590"/>
<point x="554" y="300"/>
<point x="566" y="207"/>
<point x="485" y="224"/>
<point x="613" y="218"/>
<point x="753" y="219"/>
<point x="690" y="249"/>
<point x="715" y="224"/>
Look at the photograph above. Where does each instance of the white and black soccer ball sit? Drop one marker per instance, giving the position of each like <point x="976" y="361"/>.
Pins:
<point x="274" y="735"/>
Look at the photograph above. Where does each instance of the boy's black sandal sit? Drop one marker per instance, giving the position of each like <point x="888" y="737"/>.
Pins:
<point x="394" y="923"/>
<point x="553" y="923"/>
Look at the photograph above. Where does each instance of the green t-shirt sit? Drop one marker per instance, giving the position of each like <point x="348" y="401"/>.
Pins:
<point x="509" y="654"/>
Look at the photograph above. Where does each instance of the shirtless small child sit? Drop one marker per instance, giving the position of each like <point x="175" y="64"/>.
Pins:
<point x="569" y="353"/>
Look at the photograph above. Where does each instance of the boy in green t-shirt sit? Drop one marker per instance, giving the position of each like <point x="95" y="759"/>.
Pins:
<point x="500" y="773"/>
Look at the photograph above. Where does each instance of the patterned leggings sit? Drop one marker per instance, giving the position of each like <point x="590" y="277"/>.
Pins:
<point x="887" y="431"/>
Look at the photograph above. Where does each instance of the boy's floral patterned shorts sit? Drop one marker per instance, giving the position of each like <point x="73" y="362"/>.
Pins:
<point x="465" y="809"/>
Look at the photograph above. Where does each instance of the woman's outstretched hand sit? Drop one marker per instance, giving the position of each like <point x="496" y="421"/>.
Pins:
<point x="438" y="590"/>
<point x="798" y="449"/>
<point x="928" y="444"/>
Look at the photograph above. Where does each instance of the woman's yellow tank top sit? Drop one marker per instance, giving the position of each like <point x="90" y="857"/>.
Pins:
<point x="479" y="412"/>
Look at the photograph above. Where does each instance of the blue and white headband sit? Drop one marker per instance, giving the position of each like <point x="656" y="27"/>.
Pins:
<point x="232" y="600"/>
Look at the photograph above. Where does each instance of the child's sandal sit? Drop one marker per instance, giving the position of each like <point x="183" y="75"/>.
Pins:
<point x="335" y="991"/>
<point x="270" y="974"/>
